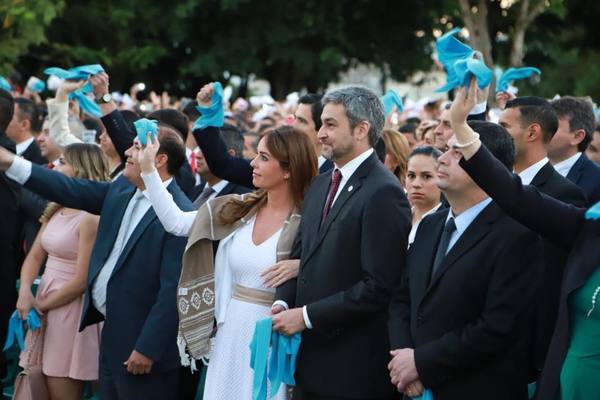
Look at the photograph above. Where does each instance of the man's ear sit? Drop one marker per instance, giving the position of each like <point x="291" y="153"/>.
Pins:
<point x="534" y="131"/>
<point x="161" y="160"/>
<point x="578" y="136"/>
<point x="361" y="131"/>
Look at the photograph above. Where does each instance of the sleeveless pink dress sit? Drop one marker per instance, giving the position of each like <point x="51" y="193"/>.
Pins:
<point x="67" y="352"/>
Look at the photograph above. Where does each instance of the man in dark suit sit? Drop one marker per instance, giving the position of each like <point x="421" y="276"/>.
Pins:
<point x="351" y="245"/>
<point x="532" y="122"/>
<point x="576" y="124"/>
<point x="9" y="228"/>
<point x="133" y="273"/>
<point x="459" y="321"/>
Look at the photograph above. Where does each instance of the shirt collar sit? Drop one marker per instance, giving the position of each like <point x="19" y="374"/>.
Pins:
<point x="465" y="218"/>
<point x="145" y="192"/>
<point x="352" y="165"/>
<point x="530" y="172"/>
<point x="21" y="147"/>
<point x="217" y="187"/>
<point x="321" y="160"/>
<point x="565" y="166"/>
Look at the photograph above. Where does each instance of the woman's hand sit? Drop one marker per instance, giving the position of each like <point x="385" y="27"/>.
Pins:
<point x="66" y="88"/>
<point x="281" y="272"/>
<point x="504" y="97"/>
<point x="25" y="302"/>
<point x="204" y="96"/>
<point x="147" y="156"/>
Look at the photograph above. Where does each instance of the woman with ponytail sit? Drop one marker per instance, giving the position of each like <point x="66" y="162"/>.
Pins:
<point x="255" y="230"/>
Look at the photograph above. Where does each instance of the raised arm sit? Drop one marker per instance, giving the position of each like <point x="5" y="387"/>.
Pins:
<point x="173" y="219"/>
<point x="207" y="135"/>
<point x="551" y="218"/>
<point x="58" y="114"/>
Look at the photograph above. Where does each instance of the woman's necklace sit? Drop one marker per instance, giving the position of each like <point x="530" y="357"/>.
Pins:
<point x="594" y="296"/>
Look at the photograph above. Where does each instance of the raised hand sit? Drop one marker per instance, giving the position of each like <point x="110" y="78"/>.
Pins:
<point x="147" y="156"/>
<point x="99" y="84"/>
<point x="66" y="88"/>
<point x="204" y="96"/>
<point x="504" y="97"/>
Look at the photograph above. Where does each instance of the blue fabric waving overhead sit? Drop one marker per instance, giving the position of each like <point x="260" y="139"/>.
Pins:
<point x="513" y="74"/>
<point x="79" y="74"/>
<point x="4" y="84"/>
<point x="38" y="86"/>
<point x="391" y="99"/>
<point x="143" y="126"/>
<point x="282" y="364"/>
<point x="16" y="331"/>
<point x="213" y="115"/>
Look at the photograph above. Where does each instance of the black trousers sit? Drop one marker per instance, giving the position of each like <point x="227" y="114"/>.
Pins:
<point x="301" y="394"/>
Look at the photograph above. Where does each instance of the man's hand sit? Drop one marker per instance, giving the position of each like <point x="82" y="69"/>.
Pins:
<point x="414" y="389"/>
<point x="147" y="156"/>
<point x="138" y="364"/>
<point x="402" y="368"/>
<point x="504" y="97"/>
<point x="281" y="272"/>
<point x="204" y="96"/>
<point x="465" y="100"/>
<point x="277" y="308"/>
<point x="99" y="84"/>
<point x="66" y="88"/>
<point x="6" y="159"/>
<point x="289" y="322"/>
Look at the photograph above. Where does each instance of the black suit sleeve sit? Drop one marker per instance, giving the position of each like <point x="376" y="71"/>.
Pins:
<point x="382" y="263"/>
<point x="233" y="169"/>
<point x="399" y="315"/>
<point x="119" y="131"/>
<point x="549" y="217"/>
<point x="287" y="291"/>
<point x="496" y="330"/>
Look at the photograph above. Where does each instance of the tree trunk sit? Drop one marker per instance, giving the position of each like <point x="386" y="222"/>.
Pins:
<point x="477" y="24"/>
<point x="526" y="15"/>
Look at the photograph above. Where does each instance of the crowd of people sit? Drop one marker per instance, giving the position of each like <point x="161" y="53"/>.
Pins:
<point x="431" y="252"/>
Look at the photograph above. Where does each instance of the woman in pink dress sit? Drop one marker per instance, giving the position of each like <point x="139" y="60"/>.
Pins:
<point x="66" y="238"/>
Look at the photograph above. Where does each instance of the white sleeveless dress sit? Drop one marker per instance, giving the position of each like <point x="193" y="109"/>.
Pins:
<point x="229" y="374"/>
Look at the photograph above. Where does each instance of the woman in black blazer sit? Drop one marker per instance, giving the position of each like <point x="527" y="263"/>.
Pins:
<point x="572" y="364"/>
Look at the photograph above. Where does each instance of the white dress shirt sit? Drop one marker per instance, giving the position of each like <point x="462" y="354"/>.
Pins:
<point x="321" y="160"/>
<point x="217" y="187"/>
<point x="465" y="219"/>
<point x="21" y="147"/>
<point x="530" y="172"/>
<point x="564" y="167"/>
<point x="415" y="226"/>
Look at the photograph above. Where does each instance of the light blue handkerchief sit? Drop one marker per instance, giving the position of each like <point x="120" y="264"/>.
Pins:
<point x="391" y="99"/>
<point x="213" y="115"/>
<point x="513" y="74"/>
<point x="16" y="331"/>
<point x="593" y="212"/>
<point x="4" y="84"/>
<point x="79" y="74"/>
<point x="427" y="395"/>
<point x="144" y="126"/>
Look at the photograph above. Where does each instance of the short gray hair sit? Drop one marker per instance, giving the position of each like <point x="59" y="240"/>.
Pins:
<point x="361" y="105"/>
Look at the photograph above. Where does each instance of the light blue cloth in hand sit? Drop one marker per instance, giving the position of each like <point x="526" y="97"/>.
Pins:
<point x="38" y="85"/>
<point x="4" y="84"/>
<point x="213" y="115"/>
<point x="427" y="395"/>
<point x="79" y="74"/>
<point x="593" y="212"/>
<point x="16" y="331"/>
<point x="391" y="99"/>
<point x="282" y="363"/>
<point x="144" y="126"/>
<point x="513" y="74"/>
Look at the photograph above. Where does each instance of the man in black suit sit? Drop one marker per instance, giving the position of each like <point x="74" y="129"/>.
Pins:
<point x="351" y="245"/>
<point x="9" y="228"/>
<point x="532" y="122"/>
<point x="576" y="124"/>
<point x="459" y="321"/>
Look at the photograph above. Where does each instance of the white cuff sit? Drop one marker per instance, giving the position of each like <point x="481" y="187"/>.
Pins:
<point x="281" y="303"/>
<point x="306" y="319"/>
<point x="20" y="170"/>
<point x="479" y="108"/>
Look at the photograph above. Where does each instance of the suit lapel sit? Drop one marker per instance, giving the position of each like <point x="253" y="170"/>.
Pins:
<point x="118" y="205"/>
<point x="585" y="260"/>
<point x="135" y="236"/>
<point x="479" y="228"/>
<point x="577" y="170"/>
<point x="540" y="179"/>
<point x="313" y="213"/>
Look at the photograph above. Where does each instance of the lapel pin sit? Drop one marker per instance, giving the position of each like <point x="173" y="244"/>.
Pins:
<point x="350" y="188"/>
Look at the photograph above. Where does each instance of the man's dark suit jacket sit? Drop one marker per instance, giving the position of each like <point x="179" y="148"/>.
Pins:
<point x="32" y="206"/>
<point x="468" y="323"/>
<point x="586" y="175"/>
<point x="9" y="243"/>
<point x="562" y="223"/>
<point x="122" y="134"/>
<point x="233" y="169"/>
<point x="230" y="188"/>
<point x="553" y="184"/>
<point x="349" y="267"/>
<point x="141" y="298"/>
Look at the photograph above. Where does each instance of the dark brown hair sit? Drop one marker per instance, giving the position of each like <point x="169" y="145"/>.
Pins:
<point x="295" y="152"/>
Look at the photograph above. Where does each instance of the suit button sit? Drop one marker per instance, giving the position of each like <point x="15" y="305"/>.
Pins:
<point x="302" y="281"/>
<point x="420" y="319"/>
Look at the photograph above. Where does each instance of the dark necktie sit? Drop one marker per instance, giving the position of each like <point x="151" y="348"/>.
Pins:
<point x="449" y="229"/>
<point x="333" y="188"/>
<point x="206" y="193"/>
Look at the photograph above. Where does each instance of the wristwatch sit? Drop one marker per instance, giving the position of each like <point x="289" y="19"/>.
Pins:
<point x="105" y="98"/>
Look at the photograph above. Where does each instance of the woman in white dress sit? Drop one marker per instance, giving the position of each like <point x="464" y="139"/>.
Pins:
<point x="256" y="231"/>
<point x="421" y="185"/>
